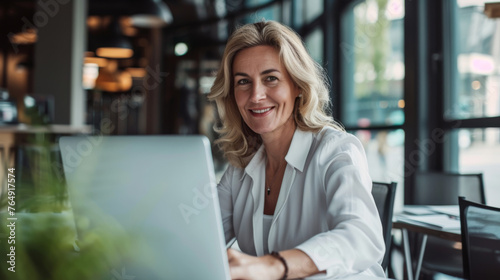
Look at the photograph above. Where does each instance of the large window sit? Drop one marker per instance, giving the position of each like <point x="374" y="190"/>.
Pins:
<point x="450" y="84"/>
<point x="472" y="100"/>
<point x="373" y="54"/>
<point x="476" y="52"/>
<point x="372" y="103"/>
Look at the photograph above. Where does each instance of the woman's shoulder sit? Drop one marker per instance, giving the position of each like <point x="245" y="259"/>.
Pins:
<point x="339" y="146"/>
<point x="233" y="170"/>
<point x="232" y="174"/>
<point x="332" y="143"/>
<point x="332" y="136"/>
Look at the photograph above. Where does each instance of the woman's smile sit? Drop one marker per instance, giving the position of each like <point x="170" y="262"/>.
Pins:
<point x="261" y="112"/>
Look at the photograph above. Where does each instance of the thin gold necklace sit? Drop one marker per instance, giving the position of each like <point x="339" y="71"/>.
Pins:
<point x="274" y="178"/>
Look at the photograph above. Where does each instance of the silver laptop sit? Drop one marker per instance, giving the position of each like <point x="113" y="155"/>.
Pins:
<point x="154" y="196"/>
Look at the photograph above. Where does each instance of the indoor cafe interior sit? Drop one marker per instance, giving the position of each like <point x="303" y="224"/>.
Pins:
<point x="417" y="82"/>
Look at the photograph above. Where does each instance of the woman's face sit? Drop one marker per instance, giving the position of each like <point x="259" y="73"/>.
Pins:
<point x="264" y="91"/>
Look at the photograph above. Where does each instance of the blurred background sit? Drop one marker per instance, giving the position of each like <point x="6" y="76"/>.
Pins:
<point x="416" y="81"/>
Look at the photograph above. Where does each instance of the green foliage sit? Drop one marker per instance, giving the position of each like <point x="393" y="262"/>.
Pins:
<point x="45" y="230"/>
<point x="373" y="55"/>
<point x="40" y="187"/>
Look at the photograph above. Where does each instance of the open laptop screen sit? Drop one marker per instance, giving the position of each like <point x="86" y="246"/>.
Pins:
<point x="156" y="192"/>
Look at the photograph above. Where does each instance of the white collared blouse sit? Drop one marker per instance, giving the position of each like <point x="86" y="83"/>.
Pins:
<point x="325" y="207"/>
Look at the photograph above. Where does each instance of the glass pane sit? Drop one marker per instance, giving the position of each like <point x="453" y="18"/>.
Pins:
<point x="474" y="62"/>
<point x="479" y="152"/>
<point x="385" y="153"/>
<point x="271" y="13"/>
<point x="312" y="9"/>
<point x="307" y="11"/>
<point x="314" y="43"/>
<point x="229" y="6"/>
<point x="223" y="30"/>
<point x="253" y="3"/>
<point x="287" y="12"/>
<point x="373" y="64"/>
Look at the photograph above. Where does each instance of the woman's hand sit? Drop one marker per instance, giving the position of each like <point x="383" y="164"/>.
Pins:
<point x="243" y="266"/>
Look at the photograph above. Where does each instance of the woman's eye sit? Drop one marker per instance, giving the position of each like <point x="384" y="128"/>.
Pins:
<point x="242" y="82"/>
<point x="271" y="79"/>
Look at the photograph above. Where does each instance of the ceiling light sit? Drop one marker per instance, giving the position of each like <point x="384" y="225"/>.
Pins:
<point x="112" y="79"/>
<point x="114" y="44"/>
<point x="99" y="61"/>
<point x="23" y="38"/>
<point x="181" y="49"/>
<point x="136" y="72"/>
<point x="110" y="52"/>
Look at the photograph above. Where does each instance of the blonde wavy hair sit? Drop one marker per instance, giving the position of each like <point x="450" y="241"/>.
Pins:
<point x="311" y="113"/>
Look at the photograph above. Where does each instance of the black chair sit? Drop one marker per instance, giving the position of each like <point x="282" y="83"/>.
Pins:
<point x="383" y="194"/>
<point x="480" y="226"/>
<point x="434" y="188"/>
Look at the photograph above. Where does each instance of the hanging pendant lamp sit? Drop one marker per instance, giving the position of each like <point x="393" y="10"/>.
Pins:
<point x="114" y="44"/>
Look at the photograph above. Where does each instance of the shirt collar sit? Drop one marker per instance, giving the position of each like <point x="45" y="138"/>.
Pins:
<point x="296" y="156"/>
<point x="256" y="163"/>
<point x="299" y="149"/>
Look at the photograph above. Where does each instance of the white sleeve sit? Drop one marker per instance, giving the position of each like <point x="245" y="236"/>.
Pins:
<point x="226" y="203"/>
<point x="354" y="242"/>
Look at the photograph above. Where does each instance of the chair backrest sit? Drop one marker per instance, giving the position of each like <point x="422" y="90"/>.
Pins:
<point x="435" y="188"/>
<point x="480" y="225"/>
<point x="383" y="194"/>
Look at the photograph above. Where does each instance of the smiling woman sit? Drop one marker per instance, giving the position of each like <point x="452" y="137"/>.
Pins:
<point x="297" y="195"/>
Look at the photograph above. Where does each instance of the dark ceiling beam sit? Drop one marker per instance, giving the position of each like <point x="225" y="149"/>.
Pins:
<point x="229" y="16"/>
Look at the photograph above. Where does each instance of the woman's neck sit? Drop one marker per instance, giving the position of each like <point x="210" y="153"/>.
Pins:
<point x="277" y="144"/>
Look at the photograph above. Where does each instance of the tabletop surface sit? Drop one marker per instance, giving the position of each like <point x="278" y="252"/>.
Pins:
<point x="440" y="221"/>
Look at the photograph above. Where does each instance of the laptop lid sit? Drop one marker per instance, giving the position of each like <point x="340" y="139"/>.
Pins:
<point x="160" y="192"/>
